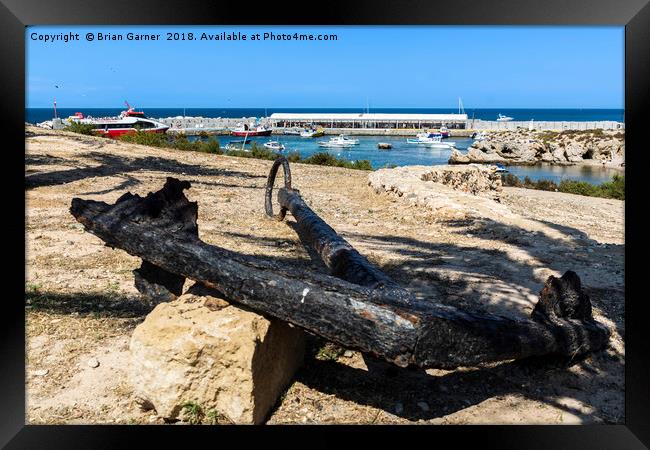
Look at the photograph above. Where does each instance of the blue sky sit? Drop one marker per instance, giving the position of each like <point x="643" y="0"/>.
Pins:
<point x="427" y="67"/>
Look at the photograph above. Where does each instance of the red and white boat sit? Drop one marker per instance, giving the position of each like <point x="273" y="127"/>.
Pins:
<point x="127" y="122"/>
<point x="251" y="130"/>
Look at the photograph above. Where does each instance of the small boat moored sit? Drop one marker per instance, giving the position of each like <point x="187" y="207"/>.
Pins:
<point x="274" y="145"/>
<point x="384" y="146"/>
<point x="310" y="132"/>
<point x="479" y="136"/>
<point x="339" y="141"/>
<point x="430" y="140"/>
<point x="502" y="118"/>
<point x="250" y="130"/>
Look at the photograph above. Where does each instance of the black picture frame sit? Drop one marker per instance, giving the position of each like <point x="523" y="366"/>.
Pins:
<point x="634" y="15"/>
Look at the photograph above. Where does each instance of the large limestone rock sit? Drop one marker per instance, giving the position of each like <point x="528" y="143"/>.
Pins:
<point x="530" y="147"/>
<point x="449" y="191"/>
<point x="201" y="349"/>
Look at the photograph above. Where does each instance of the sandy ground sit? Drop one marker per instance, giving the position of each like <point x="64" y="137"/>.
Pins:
<point x="82" y="305"/>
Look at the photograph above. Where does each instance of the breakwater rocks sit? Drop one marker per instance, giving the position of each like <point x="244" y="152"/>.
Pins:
<point x="531" y="147"/>
<point x="211" y="125"/>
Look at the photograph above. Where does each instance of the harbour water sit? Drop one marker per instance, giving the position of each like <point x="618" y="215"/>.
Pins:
<point x="404" y="154"/>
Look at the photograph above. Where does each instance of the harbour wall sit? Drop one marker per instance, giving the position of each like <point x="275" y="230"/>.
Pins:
<point x="222" y="125"/>
<point x="493" y="125"/>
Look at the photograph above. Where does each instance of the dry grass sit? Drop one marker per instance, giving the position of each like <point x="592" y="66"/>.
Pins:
<point x="81" y="302"/>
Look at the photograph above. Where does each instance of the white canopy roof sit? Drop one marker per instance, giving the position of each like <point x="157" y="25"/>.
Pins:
<point x="368" y="117"/>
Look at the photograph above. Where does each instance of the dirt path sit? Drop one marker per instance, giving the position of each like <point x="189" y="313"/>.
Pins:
<point x="82" y="306"/>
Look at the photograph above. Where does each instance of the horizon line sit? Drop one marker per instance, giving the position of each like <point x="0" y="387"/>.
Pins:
<point x="321" y="107"/>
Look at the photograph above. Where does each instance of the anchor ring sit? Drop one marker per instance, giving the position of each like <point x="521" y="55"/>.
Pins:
<point x="268" y="205"/>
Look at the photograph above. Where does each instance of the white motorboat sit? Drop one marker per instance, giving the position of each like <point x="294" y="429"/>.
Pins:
<point x="310" y="132"/>
<point x="503" y="118"/>
<point x="274" y="145"/>
<point x="334" y="144"/>
<point x="339" y="141"/>
<point x="232" y="146"/>
<point x="348" y="139"/>
<point x="431" y="140"/>
<point x="479" y="136"/>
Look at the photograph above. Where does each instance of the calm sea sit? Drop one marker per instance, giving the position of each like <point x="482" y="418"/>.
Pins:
<point x="34" y="115"/>
<point x="402" y="154"/>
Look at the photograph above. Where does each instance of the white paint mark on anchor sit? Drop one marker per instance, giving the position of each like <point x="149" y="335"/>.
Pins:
<point x="304" y="294"/>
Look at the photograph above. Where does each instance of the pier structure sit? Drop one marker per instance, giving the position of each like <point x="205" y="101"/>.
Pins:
<point x="381" y="121"/>
<point x="375" y="123"/>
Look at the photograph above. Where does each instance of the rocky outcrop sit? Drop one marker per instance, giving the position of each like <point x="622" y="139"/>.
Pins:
<point x="453" y="191"/>
<point x="531" y="147"/>
<point x="198" y="348"/>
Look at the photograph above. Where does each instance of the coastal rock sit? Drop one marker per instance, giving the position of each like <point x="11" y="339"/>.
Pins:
<point x="531" y="147"/>
<point x="484" y="154"/>
<point x="226" y="359"/>
<point x="450" y="191"/>
<point x="457" y="157"/>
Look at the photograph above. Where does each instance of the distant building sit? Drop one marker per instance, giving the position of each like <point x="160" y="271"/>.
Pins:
<point x="366" y="120"/>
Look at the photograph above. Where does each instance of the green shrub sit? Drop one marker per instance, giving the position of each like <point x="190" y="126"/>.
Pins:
<point x="615" y="188"/>
<point x="212" y="145"/>
<point x="545" y="185"/>
<point x="256" y="151"/>
<point x="81" y="128"/>
<point x="193" y="412"/>
<point x="144" y="138"/>
<point x="180" y="142"/>
<point x="293" y="156"/>
<point x="610" y="189"/>
<point x="508" y="179"/>
<point x="325" y="159"/>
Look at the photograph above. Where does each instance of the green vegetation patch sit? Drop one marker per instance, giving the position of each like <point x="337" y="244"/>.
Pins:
<point x="81" y="128"/>
<point x="256" y="151"/>
<point x="178" y="142"/>
<point x="611" y="189"/>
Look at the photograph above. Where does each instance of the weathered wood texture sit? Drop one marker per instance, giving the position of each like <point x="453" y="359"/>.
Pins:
<point x="343" y="260"/>
<point x="161" y="229"/>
